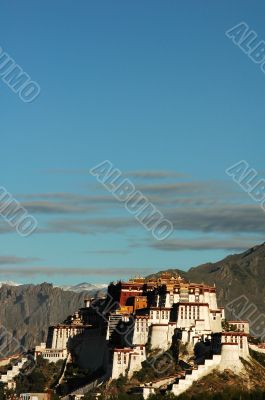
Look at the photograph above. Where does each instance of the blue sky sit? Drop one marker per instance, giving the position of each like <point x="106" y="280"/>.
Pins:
<point x="158" y="89"/>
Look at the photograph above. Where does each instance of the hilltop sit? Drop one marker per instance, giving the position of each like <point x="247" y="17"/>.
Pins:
<point x="235" y="275"/>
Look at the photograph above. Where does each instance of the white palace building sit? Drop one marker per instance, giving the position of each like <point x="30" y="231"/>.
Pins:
<point x="142" y="315"/>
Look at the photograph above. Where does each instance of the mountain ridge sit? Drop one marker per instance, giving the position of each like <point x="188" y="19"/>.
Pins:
<point x="234" y="276"/>
<point x="79" y="287"/>
<point x="28" y="310"/>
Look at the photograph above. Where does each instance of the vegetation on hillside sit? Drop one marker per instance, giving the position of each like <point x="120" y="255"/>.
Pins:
<point x="158" y="365"/>
<point x="43" y="377"/>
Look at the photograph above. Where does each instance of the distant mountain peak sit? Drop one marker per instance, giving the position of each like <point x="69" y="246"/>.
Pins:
<point x="9" y="283"/>
<point x="84" y="287"/>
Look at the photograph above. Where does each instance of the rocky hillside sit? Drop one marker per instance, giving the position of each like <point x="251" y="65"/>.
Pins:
<point x="234" y="276"/>
<point x="27" y="311"/>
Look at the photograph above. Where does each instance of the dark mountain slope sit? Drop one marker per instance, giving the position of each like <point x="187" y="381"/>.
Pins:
<point x="236" y="275"/>
<point x="27" y="311"/>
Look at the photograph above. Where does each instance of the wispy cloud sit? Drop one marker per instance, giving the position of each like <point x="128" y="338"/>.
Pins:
<point x="155" y="175"/>
<point x="218" y="219"/>
<point x="193" y="206"/>
<point x="232" y="244"/>
<point x="6" y="260"/>
<point x="174" y="188"/>
<point x="141" y="174"/>
<point x="222" y="219"/>
<point x="89" y="226"/>
<point x="47" y="207"/>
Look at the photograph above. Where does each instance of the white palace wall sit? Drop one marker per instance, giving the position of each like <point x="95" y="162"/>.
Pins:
<point x="158" y="315"/>
<point x="141" y="330"/>
<point x="216" y="320"/>
<point x="62" y="334"/>
<point x="188" y="313"/>
<point x="161" y="336"/>
<point x="238" y="338"/>
<point x="127" y="361"/>
<point x="230" y="357"/>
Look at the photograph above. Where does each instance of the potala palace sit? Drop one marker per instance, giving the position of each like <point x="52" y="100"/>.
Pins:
<point x="114" y="334"/>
